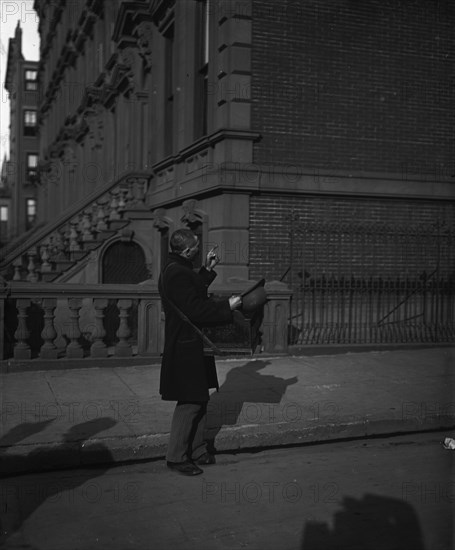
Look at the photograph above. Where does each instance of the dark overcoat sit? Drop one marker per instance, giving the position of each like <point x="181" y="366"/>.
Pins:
<point x="186" y="374"/>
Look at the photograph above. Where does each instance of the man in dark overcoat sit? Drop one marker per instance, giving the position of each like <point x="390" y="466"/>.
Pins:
<point x="186" y="373"/>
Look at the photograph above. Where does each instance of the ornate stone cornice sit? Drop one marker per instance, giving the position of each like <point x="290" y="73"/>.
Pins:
<point x="69" y="51"/>
<point x="54" y="20"/>
<point x="123" y="74"/>
<point x="133" y="33"/>
<point x="161" y="10"/>
<point x="129" y="12"/>
<point x="96" y="132"/>
<point x="74" y="44"/>
<point x="92" y="96"/>
<point x="73" y="131"/>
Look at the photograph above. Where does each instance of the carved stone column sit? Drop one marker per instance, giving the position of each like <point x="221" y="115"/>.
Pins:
<point x="101" y="215"/>
<point x="114" y="213"/>
<point x="48" y="349"/>
<point x="98" y="348"/>
<point x="17" y="269"/>
<point x="74" y="236"/>
<point x="74" y="349"/>
<point x="123" y="348"/>
<point x="22" y="349"/>
<point x="44" y="250"/>
<point x="58" y="246"/>
<point x="86" y="226"/>
<point x="31" y="267"/>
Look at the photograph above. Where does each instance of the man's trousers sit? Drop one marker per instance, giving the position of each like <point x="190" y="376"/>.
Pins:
<point x="186" y="440"/>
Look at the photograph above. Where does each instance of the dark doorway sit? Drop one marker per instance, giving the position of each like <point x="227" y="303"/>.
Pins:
<point x="123" y="263"/>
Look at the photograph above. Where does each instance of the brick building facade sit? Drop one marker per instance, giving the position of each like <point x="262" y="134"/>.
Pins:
<point x="273" y="129"/>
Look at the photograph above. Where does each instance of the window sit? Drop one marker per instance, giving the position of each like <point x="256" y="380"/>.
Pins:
<point x="31" y="80"/>
<point x="31" y="213"/>
<point x="30" y="123"/>
<point x="169" y="91"/>
<point x="32" y="166"/>
<point x="201" y="69"/>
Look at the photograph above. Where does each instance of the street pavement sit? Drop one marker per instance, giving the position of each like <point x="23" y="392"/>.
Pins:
<point x="392" y="493"/>
<point x="76" y="417"/>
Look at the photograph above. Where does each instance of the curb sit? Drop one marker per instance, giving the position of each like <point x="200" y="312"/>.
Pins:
<point x="111" y="450"/>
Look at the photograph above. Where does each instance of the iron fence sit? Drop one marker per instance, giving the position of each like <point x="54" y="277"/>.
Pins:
<point x="360" y="283"/>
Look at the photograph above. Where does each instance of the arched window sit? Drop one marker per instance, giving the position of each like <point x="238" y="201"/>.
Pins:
<point x="123" y="263"/>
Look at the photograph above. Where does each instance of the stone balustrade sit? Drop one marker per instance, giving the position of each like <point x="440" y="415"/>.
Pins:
<point x="50" y="321"/>
<point x="63" y="244"/>
<point x="71" y="321"/>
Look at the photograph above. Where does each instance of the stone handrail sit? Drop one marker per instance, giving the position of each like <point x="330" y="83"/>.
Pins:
<point x="74" y="310"/>
<point x="69" y="313"/>
<point x="22" y="289"/>
<point x="9" y="255"/>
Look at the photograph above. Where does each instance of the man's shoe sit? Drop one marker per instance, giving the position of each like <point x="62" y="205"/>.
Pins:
<point x="205" y="460"/>
<point x="186" y="468"/>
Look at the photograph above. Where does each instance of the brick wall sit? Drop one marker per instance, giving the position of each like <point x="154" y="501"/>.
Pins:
<point x="360" y="237"/>
<point x="355" y="85"/>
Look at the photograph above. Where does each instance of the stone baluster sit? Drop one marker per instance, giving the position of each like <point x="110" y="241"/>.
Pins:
<point x="44" y="252"/>
<point x="48" y="349"/>
<point x="66" y="232"/>
<point x="129" y="196"/>
<point x="80" y="221"/>
<point x="52" y="244"/>
<point x="86" y="226"/>
<point x="17" y="269"/>
<point x="98" y="348"/>
<point x="114" y="213"/>
<point x="123" y="348"/>
<point x="58" y="245"/>
<point x="94" y="218"/>
<point x="121" y="202"/>
<point x="32" y="277"/>
<point x="101" y="216"/>
<point x="74" y="349"/>
<point x="73" y="237"/>
<point x="21" y="348"/>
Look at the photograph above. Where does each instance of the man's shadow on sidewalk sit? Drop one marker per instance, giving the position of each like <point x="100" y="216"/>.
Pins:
<point x="244" y="384"/>
<point x="20" y="496"/>
<point x="371" y="523"/>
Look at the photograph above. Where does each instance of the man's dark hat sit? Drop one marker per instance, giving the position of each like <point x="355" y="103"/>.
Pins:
<point x="253" y="297"/>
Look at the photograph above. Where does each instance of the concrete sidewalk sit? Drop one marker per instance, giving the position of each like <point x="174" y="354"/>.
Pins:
<point x="69" y="418"/>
